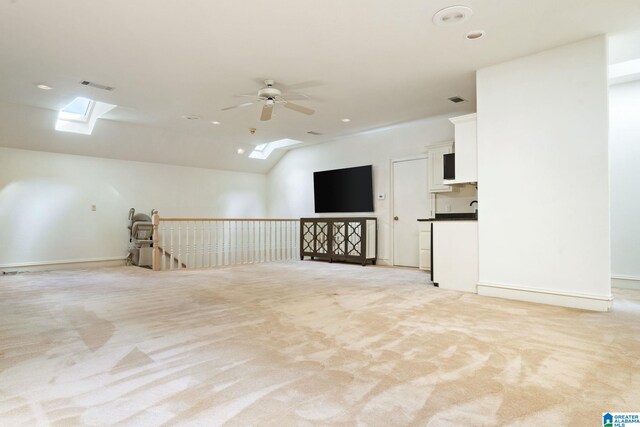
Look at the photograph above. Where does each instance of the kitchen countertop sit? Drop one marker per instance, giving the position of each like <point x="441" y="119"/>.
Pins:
<point x="447" y="219"/>
<point x="453" y="217"/>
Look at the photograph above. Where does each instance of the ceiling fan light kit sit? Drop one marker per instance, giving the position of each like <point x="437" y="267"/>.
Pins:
<point x="270" y="96"/>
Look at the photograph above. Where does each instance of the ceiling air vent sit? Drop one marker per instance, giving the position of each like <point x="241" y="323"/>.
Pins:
<point x="311" y="132"/>
<point x="96" y="85"/>
<point x="457" y="99"/>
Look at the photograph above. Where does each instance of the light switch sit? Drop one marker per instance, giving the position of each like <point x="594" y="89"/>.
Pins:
<point x="93" y="208"/>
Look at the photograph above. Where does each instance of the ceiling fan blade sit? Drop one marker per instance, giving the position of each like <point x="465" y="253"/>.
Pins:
<point x="297" y="86"/>
<point x="299" y="108"/>
<point x="295" y="96"/>
<point x="244" y="104"/>
<point x="267" y="110"/>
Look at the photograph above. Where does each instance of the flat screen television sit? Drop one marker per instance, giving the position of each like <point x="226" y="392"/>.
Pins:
<point x="343" y="190"/>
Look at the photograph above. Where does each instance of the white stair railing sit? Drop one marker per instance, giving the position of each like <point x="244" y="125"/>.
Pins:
<point x="193" y="243"/>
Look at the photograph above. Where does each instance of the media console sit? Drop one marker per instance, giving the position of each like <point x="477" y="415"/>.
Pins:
<point x="339" y="239"/>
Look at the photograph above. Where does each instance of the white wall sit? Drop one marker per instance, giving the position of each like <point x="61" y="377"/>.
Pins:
<point x="290" y="182"/>
<point x="624" y="152"/>
<point x="46" y="198"/>
<point x="543" y="177"/>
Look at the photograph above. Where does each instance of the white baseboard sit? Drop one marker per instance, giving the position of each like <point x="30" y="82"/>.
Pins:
<point x="544" y="296"/>
<point x="625" y="282"/>
<point x="63" y="264"/>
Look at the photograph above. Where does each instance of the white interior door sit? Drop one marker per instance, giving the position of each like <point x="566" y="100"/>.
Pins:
<point x="410" y="202"/>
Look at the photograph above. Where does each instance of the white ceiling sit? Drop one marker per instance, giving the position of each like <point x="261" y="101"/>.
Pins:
<point x="377" y="62"/>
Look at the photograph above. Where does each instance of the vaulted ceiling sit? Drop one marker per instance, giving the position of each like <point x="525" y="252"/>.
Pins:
<point x="376" y="62"/>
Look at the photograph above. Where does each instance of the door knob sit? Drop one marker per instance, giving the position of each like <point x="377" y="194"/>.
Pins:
<point x="395" y="218"/>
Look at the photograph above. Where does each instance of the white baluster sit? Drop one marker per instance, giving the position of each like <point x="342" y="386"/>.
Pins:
<point x="241" y="242"/>
<point x="215" y="244"/>
<point x="263" y="248"/>
<point x="270" y="241"/>
<point x="234" y="250"/>
<point x="163" y="227"/>
<point x="202" y="242"/>
<point x="266" y="241"/>
<point x="171" y="253"/>
<point x="186" y="256"/>
<point x="290" y="232"/>
<point x="253" y="246"/>
<point x="209" y="230"/>
<point x="229" y="245"/>
<point x="195" y="252"/>
<point x="280" y="245"/>
<point x="179" y="245"/>
<point x="280" y="241"/>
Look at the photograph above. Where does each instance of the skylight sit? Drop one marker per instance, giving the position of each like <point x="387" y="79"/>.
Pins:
<point x="79" y="110"/>
<point x="81" y="114"/>
<point x="263" y="151"/>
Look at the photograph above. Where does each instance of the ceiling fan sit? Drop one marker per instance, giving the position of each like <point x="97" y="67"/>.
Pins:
<point x="271" y="96"/>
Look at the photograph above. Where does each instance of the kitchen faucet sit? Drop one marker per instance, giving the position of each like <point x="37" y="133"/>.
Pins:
<point x="476" y="202"/>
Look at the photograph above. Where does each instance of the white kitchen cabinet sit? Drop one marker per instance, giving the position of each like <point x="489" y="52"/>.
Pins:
<point x="466" y="149"/>
<point x="425" y="245"/>
<point x="436" y="167"/>
<point x="455" y="255"/>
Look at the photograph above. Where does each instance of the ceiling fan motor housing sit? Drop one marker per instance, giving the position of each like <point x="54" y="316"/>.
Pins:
<point x="269" y="92"/>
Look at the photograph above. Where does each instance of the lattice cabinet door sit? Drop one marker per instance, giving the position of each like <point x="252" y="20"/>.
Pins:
<point x="307" y="237"/>
<point x="322" y="238"/>
<point x="314" y="238"/>
<point x="353" y="239"/>
<point x="338" y="238"/>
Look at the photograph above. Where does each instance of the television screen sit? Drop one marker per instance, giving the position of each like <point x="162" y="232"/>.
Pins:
<point x="343" y="190"/>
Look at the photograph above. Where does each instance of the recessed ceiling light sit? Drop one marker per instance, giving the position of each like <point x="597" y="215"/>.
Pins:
<point x="190" y="117"/>
<point x="215" y="122"/>
<point x="240" y="151"/>
<point x="474" y="35"/>
<point x="346" y="120"/>
<point x="44" y="87"/>
<point x="452" y="15"/>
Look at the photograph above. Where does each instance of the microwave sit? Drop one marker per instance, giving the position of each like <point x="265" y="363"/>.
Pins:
<point x="449" y="165"/>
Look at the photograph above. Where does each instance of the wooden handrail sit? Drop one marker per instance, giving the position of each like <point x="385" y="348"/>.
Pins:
<point x="225" y="219"/>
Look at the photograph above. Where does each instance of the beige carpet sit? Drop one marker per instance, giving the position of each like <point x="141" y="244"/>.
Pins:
<point x="303" y="343"/>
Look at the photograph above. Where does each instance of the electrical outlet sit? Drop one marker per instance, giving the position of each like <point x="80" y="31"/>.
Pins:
<point x="93" y="208"/>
